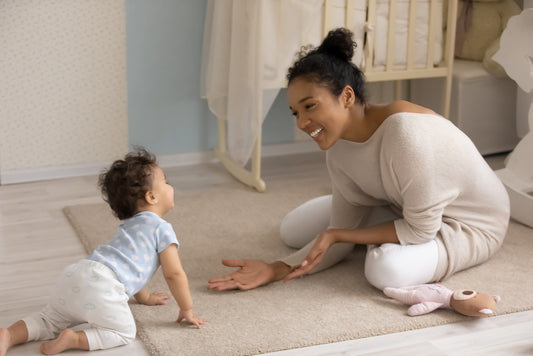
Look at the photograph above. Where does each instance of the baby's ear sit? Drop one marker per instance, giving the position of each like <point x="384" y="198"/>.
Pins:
<point x="150" y="198"/>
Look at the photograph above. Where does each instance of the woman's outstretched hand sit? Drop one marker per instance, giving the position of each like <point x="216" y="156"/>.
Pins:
<point x="251" y="274"/>
<point x="315" y="255"/>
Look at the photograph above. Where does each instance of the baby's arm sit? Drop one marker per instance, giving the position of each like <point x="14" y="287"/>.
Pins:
<point x="178" y="284"/>
<point x="156" y="298"/>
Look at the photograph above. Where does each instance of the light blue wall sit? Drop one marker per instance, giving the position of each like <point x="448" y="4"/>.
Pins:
<point x="164" y="51"/>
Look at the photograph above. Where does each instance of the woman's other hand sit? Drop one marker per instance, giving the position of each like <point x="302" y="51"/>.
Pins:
<point x="315" y="255"/>
<point x="251" y="274"/>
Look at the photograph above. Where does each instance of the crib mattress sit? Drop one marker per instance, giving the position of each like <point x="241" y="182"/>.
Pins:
<point x="356" y="20"/>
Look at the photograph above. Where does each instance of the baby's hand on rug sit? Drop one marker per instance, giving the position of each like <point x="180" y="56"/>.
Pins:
<point x="191" y="318"/>
<point x="157" y="298"/>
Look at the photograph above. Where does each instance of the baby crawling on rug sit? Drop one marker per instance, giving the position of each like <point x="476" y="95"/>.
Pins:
<point x="96" y="289"/>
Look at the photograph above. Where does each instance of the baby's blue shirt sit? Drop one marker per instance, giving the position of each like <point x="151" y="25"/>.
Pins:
<point x="133" y="254"/>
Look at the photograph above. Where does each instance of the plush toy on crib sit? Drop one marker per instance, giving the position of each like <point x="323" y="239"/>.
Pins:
<point x="480" y="24"/>
<point x="425" y="298"/>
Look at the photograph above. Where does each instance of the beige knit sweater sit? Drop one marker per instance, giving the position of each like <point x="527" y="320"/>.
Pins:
<point x="432" y="175"/>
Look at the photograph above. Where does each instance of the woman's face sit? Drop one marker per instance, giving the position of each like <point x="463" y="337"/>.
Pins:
<point x="318" y="113"/>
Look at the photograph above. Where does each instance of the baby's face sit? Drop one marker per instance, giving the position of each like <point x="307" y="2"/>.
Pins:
<point x="162" y="190"/>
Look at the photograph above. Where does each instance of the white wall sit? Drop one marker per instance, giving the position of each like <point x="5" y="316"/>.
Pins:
<point x="63" y="93"/>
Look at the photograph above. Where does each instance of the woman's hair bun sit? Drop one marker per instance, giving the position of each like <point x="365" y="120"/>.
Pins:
<point x="338" y="43"/>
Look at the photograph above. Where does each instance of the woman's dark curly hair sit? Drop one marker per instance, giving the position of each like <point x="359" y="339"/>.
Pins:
<point x="330" y="65"/>
<point x="127" y="181"/>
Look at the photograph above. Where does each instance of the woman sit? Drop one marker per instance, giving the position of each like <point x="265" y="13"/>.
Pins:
<point x="406" y="182"/>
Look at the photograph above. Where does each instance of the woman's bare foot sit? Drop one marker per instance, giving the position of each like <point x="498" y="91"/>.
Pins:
<point x="68" y="339"/>
<point x="4" y="341"/>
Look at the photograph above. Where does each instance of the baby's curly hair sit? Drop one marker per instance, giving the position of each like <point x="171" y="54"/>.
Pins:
<point x="127" y="181"/>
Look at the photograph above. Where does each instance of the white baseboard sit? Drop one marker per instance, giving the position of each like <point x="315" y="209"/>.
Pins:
<point x="165" y="161"/>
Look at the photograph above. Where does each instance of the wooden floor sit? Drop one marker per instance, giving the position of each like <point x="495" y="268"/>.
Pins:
<point x="37" y="242"/>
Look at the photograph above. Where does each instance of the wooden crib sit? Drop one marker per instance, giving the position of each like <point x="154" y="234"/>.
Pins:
<point x="389" y="33"/>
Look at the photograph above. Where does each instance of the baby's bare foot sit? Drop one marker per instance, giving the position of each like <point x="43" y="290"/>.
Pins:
<point x="4" y="341"/>
<point x="68" y="339"/>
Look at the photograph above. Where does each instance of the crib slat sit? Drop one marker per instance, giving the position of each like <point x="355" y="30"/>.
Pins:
<point x="369" y="47"/>
<point x="411" y="34"/>
<point x="449" y="53"/>
<point x="327" y="18"/>
<point x="451" y="19"/>
<point x="349" y="14"/>
<point x="431" y="33"/>
<point x="390" y="35"/>
<point x="328" y="9"/>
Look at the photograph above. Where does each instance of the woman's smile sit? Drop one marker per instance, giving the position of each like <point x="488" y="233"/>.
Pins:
<point x="315" y="133"/>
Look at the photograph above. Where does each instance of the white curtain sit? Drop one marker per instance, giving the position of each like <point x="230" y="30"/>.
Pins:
<point x="248" y="47"/>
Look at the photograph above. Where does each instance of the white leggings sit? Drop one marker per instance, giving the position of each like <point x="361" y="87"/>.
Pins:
<point x="386" y="265"/>
<point x="86" y="292"/>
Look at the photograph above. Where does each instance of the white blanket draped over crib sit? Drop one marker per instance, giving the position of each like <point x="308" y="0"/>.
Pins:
<point x="248" y="46"/>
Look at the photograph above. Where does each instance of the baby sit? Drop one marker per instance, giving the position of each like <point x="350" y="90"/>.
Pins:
<point x="96" y="289"/>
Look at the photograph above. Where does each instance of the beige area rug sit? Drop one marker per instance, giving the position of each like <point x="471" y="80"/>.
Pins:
<point x="335" y="305"/>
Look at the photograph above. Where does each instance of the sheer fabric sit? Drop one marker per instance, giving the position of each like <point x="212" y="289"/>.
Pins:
<point x="248" y="46"/>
